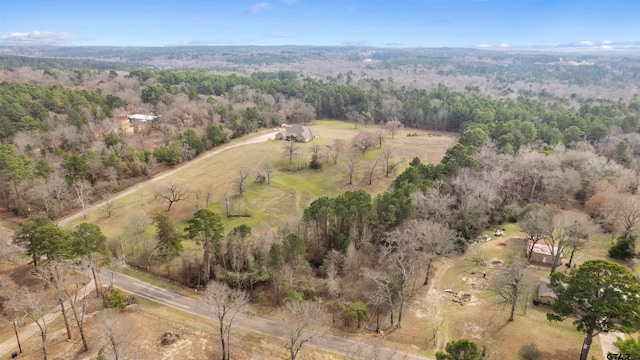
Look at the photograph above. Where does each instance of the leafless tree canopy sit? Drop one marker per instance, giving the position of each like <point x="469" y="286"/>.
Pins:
<point x="118" y="333"/>
<point x="32" y="305"/>
<point x="510" y="284"/>
<point x="303" y="321"/>
<point x="290" y="149"/>
<point x="224" y="305"/>
<point x="172" y="193"/>
<point x="364" y="141"/>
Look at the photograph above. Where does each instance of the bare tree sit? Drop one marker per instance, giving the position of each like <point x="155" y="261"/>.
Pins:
<point x="364" y="141"/>
<point x="201" y="198"/>
<point x="33" y="305"/>
<point x="390" y="163"/>
<point x="436" y="205"/>
<point x="118" y="331"/>
<point x="352" y="161"/>
<point x="172" y="193"/>
<point x="510" y="284"/>
<point x="240" y="181"/>
<point x="303" y="321"/>
<point x="290" y="148"/>
<point x="536" y="223"/>
<point x="434" y="323"/>
<point x="557" y="238"/>
<point x="224" y="305"/>
<point x="269" y="169"/>
<point x="56" y="279"/>
<point x="579" y="230"/>
<point x="626" y="211"/>
<point x="393" y="126"/>
<point x="433" y="240"/>
<point x="372" y="168"/>
<point x="381" y="299"/>
<point x="109" y="205"/>
<point x="83" y="191"/>
<point x="336" y="149"/>
<point x="380" y="138"/>
<point x="402" y="254"/>
<point x="355" y="117"/>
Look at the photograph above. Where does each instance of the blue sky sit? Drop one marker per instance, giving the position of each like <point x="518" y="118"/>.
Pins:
<point x="408" y="23"/>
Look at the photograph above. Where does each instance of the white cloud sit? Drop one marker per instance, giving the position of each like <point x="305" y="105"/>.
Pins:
<point x="35" y="37"/>
<point x="484" y="46"/>
<point x="585" y="43"/>
<point x="607" y="42"/>
<point x="256" y="8"/>
<point x="504" y="45"/>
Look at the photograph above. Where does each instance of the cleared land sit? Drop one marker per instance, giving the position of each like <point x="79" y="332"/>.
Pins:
<point x="291" y="190"/>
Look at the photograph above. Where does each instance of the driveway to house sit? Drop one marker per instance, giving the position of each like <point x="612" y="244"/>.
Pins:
<point x="330" y="343"/>
<point x="260" y="138"/>
<point x="607" y="340"/>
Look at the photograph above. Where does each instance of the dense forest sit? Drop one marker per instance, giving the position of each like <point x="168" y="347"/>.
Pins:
<point x="66" y="131"/>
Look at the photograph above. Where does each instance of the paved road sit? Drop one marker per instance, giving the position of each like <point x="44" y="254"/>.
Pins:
<point x="264" y="326"/>
<point x="63" y="221"/>
<point x="331" y="343"/>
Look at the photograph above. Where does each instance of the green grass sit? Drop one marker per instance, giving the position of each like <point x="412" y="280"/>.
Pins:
<point x="271" y="206"/>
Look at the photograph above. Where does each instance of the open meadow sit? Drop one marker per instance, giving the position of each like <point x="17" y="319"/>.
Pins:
<point x="265" y="207"/>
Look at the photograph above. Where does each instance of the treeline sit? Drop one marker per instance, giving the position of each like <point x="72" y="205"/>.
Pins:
<point x="52" y="124"/>
<point x="13" y="61"/>
<point x="531" y="118"/>
<point x="27" y="107"/>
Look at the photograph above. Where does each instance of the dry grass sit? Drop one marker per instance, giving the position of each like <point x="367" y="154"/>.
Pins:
<point x="197" y="338"/>
<point x="291" y="190"/>
<point x="481" y="319"/>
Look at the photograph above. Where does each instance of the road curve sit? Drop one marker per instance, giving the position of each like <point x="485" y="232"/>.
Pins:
<point x="330" y="343"/>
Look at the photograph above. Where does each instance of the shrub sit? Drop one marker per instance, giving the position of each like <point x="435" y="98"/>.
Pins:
<point x="462" y="349"/>
<point x="315" y="163"/>
<point x="115" y="299"/>
<point x="530" y="352"/>
<point x="624" y="248"/>
<point x="358" y="311"/>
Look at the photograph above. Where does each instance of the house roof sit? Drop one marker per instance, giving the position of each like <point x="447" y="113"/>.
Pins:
<point x="541" y="248"/>
<point x="296" y="130"/>
<point x="544" y="289"/>
<point x="141" y="117"/>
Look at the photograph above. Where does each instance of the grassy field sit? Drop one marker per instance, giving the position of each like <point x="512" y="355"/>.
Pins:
<point x="291" y="190"/>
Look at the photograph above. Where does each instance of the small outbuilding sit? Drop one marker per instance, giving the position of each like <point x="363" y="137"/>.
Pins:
<point x="542" y="253"/>
<point x="545" y="294"/>
<point x="141" y="118"/>
<point x="297" y="133"/>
